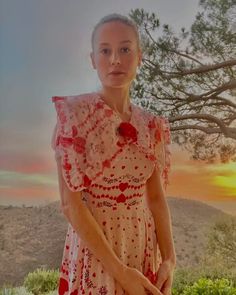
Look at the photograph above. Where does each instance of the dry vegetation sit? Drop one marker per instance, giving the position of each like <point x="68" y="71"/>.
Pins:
<point x="32" y="237"/>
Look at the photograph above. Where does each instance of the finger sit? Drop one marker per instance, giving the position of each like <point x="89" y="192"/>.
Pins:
<point x="166" y="289"/>
<point x="161" y="278"/>
<point x="150" y="287"/>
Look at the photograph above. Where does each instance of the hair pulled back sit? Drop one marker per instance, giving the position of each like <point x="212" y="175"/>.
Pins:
<point x="116" y="17"/>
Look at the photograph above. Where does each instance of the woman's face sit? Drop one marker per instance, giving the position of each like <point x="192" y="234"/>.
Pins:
<point x="115" y="49"/>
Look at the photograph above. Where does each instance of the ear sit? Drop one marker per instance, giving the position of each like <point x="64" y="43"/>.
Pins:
<point x="92" y="60"/>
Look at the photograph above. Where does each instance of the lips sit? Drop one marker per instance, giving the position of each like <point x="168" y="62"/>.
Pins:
<point x="116" y="73"/>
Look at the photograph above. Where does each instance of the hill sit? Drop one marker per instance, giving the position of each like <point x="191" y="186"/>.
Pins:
<point x="32" y="237"/>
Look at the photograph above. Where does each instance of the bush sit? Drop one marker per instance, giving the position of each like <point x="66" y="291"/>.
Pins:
<point x="182" y="278"/>
<point x="209" y="287"/>
<point x="14" y="291"/>
<point x="188" y="276"/>
<point x="222" y="241"/>
<point x="6" y="289"/>
<point x="41" y="281"/>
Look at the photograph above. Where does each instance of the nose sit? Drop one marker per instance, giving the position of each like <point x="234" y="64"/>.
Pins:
<point x="115" y="59"/>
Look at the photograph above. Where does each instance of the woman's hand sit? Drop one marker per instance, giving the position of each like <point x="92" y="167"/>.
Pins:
<point x="165" y="277"/>
<point x="134" y="282"/>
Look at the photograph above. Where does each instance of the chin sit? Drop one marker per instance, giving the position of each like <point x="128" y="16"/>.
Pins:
<point x="117" y="84"/>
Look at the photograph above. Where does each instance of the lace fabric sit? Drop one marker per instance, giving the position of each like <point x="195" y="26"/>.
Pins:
<point x="87" y="138"/>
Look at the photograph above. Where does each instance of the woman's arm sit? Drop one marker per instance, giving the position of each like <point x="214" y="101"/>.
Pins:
<point x="160" y="211"/>
<point x="86" y="226"/>
<point x="157" y="203"/>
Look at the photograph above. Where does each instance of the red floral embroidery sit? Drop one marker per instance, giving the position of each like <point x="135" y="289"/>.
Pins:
<point x="62" y="117"/>
<point x="121" y="199"/>
<point x="151" y="124"/>
<point x="106" y="163"/>
<point x="103" y="290"/>
<point x="152" y="157"/>
<point x="128" y="131"/>
<point x="63" y="286"/>
<point x="77" y="142"/>
<point x="79" y="145"/>
<point x="123" y="186"/>
<point x="67" y="166"/>
<point x="87" y="181"/>
<point x="99" y="105"/>
<point x="158" y="134"/>
<point x="108" y="113"/>
<point x="74" y="292"/>
<point x="66" y="141"/>
<point x="74" y="131"/>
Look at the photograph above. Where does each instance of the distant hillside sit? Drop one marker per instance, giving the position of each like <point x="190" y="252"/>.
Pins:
<point x="32" y="237"/>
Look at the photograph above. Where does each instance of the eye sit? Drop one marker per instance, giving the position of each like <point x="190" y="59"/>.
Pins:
<point x="105" y="50"/>
<point x="125" y="49"/>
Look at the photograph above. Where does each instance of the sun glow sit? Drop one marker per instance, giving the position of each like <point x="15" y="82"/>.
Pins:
<point x="225" y="178"/>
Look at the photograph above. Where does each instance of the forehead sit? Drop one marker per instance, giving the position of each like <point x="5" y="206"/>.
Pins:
<point x="114" y="31"/>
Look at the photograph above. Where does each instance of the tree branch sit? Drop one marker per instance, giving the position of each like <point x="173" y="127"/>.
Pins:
<point x="231" y="132"/>
<point x="203" y="69"/>
<point x="201" y="116"/>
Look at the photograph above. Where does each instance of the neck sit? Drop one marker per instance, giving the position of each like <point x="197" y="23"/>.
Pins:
<point x="117" y="98"/>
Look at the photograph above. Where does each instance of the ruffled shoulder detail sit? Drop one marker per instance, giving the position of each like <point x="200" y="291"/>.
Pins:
<point x="162" y="141"/>
<point x="86" y="126"/>
<point x="69" y="139"/>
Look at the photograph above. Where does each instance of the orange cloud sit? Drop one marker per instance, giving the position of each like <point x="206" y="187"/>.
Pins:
<point x="197" y="180"/>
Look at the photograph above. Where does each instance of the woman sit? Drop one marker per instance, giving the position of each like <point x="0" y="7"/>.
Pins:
<point x="113" y="161"/>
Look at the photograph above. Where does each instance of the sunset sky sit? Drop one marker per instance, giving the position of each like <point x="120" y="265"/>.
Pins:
<point x="45" y="49"/>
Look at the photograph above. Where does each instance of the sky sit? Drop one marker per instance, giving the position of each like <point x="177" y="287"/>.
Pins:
<point x="44" y="52"/>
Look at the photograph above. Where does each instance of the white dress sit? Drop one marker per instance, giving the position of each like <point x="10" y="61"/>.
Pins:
<point x="109" y="161"/>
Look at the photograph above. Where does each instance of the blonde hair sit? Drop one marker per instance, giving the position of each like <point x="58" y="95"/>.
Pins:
<point x="120" y="18"/>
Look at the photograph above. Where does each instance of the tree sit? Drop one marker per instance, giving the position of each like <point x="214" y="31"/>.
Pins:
<point x="190" y="77"/>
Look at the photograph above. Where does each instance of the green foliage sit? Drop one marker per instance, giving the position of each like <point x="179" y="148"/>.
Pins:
<point x="182" y="278"/>
<point x="209" y="287"/>
<point x="7" y="289"/>
<point x="189" y="76"/>
<point x="222" y="241"/>
<point x="21" y="291"/>
<point x="14" y="291"/>
<point x="41" y="281"/>
<point x="205" y="276"/>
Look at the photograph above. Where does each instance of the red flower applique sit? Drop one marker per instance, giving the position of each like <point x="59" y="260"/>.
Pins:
<point x="63" y="286"/>
<point x="128" y="131"/>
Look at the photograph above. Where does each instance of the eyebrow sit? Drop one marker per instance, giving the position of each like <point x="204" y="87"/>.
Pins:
<point x="125" y="41"/>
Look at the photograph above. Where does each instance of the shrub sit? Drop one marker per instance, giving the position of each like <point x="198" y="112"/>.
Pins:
<point x="184" y="277"/>
<point x="188" y="276"/>
<point x="41" y="281"/>
<point x="14" y="291"/>
<point x="209" y="287"/>
<point x="21" y="291"/>
<point x="7" y="290"/>
<point x="222" y="241"/>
